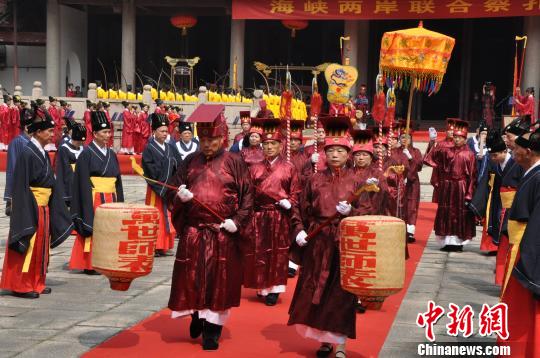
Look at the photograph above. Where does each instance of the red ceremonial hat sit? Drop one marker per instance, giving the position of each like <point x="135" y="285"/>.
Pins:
<point x="245" y="117"/>
<point x="337" y="131"/>
<point x="383" y="135"/>
<point x="297" y="127"/>
<point x="461" y="128"/>
<point x="399" y="128"/>
<point x="362" y="140"/>
<point x="210" y="120"/>
<point x="270" y="128"/>
<point x="450" y="123"/>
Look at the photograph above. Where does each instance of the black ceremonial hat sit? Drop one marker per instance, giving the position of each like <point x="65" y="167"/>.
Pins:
<point x="158" y="120"/>
<point x="78" y="132"/>
<point x="99" y="121"/>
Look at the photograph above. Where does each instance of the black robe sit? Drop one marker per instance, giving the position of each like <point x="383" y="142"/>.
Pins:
<point x="91" y="163"/>
<point x="526" y="208"/>
<point x="509" y="178"/>
<point x="159" y="164"/>
<point x="33" y="169"/>
<point x="66" y="156"/>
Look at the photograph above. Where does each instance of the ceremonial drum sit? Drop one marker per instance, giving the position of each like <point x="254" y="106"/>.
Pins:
<point x="372" y="258"/>
<point x="123" y="242"/>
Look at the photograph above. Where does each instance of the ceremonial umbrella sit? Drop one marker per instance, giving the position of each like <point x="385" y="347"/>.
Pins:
<point x="415" y="59"/>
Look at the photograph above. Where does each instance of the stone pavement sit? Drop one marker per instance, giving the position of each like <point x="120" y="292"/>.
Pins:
<point x="83" y="311"/>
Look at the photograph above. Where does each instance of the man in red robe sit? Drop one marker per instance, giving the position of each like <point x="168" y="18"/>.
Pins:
<point x="245" y="124"/>
<point x="127" y="129"/>
<point x="365" y="167"/>
<point x="87" y="117"/>
<point x="320" y="308"/>
<point x="454" y="221"/>
<point x="522" y="292"/>
<point x="277" y="187"/>
<point x="4" y="122"/>
<point x="54" y="111"/>
<point x="525" y="104"/>
<point x="298" y="155"/>
<point x="141" y="130"/>
<point x="412" y="185"/>
<point x="207" y="276"/>
<point x="447" y="142"/>
<point x="315" y="153"/>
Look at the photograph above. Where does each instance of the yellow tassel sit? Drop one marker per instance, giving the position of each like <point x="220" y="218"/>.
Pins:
<point x="28" y="256"/>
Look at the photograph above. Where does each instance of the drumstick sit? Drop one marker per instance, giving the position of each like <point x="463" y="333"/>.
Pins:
<point x="370" y="186"/>
<point x="137" y="169"/>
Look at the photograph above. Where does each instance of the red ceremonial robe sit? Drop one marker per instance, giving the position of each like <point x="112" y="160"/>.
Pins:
<point x="14" y="121"/>
<point x="319" y="301"/>
<point x="457" y="166"/>
<point x="376" y="200"/>
<point x="4" y="123"/>
<point x="252" y="154"/>
<point x="208" y="268"/>
<point x="58" y="122"/>
<point x="268" y="237"/>
<point x="308" y="169"/>
<point x="395" y="184"/>
<point x="412" y="187"/>
<point x="436" y="175"/>
<point x="88" y="124"/>
<point x="127" y="129"/>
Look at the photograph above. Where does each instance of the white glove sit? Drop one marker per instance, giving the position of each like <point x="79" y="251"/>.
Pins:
<point x="432" y="133"/>
<point x="229" y="226"/>
<point x="315" y="158"/>
<point x="184" y="194"/>
<point x="372" y="181"/>
<point x="407" y="153"/>
<point x="301" y="238"/>
<point x="285" y="204"/>
<point x="344" y="208"/>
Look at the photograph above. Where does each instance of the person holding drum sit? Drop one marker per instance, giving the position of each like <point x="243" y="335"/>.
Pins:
<point x="277" y="185"/>
<point x="160" y="161"/>
<point x="97" y="181"/>
<point x="40" y="219"/>
<point x="213" y="202"/>
<point x="320" y="308"/>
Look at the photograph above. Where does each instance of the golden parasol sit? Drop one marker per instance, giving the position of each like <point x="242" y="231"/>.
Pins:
<point x="415" y="59"/>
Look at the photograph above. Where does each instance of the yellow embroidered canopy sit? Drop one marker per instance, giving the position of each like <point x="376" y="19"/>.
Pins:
<point x="415" y="56"/>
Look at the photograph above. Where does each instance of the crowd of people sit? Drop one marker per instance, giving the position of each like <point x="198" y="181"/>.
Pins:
<point x="251" y="214"/>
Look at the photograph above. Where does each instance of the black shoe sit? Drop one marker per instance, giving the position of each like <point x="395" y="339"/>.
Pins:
<point x="25" y="294"/>
<point x="196" y="326"/>
<point x="91" y="272"/>
<point x="360" y="308"/>
<point x="325" y="350"/>
<point x="410" y="238"/>
<point x="211" y="333"/>
<point x="46" y="291"/>
<point x="8" y="208"/>
<point x="292" y="272"/>
<point x="271" y="299"/>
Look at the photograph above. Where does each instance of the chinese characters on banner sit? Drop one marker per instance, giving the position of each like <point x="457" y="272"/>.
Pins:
<point x="381" y="9"/>
<point x="491" y="320"/>
<point x="136" y="253"/>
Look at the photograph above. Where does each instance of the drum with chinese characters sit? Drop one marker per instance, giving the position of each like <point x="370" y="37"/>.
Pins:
<point x="371" y="257"/>
<point x="123" y="242"/>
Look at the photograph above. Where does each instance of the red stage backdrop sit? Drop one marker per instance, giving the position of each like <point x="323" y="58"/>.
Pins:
<point x="380" y="9"/>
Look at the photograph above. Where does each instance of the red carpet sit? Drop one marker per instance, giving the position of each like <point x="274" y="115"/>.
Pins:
<point x="125" y="162"/>
<point x="257" y="330"/>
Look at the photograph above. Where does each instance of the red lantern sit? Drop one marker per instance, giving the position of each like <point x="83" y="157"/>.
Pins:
<point x="183" y="22"/>
<point x="294" y="25"/>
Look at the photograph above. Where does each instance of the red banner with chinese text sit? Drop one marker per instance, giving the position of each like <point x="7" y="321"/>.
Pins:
<point x="380" y="9"/>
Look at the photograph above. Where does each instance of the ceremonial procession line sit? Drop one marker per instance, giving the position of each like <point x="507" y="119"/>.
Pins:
<point x="84" y="312"/>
